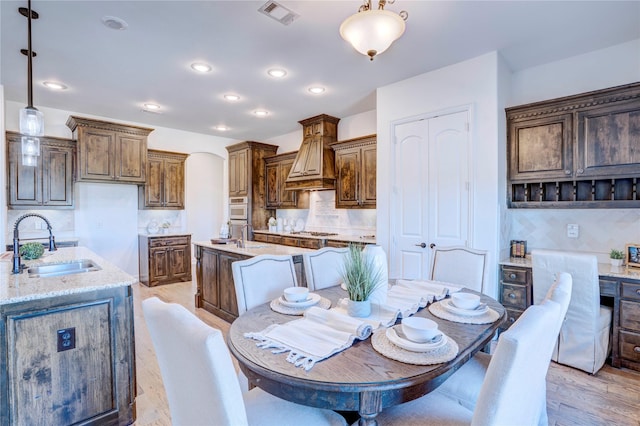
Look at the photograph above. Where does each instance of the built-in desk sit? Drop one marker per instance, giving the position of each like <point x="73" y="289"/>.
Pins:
<point x="619" y="284"/>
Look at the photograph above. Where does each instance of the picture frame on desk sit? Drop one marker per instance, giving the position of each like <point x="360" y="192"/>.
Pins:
<point x="632" y="255"/>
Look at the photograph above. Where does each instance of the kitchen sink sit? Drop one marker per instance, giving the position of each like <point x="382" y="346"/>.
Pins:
<point x="62" y="268"/>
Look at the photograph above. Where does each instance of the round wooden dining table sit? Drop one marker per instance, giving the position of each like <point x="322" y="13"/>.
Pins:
<point x="359" y="378"/>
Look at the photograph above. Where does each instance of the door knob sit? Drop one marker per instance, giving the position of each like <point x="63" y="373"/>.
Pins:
<point x="423" y="245"/>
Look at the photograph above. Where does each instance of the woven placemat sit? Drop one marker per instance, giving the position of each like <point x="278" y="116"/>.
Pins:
<point x="440" y="311"/>
<point x="280" y="308"/>
<point x="383" y="345"/>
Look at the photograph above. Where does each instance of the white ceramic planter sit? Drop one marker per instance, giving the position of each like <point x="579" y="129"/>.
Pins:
<point x="616" y="262"/>
<point x="359" y="309"/>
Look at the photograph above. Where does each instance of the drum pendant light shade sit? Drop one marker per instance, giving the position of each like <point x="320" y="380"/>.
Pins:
<point x="371" y="32"/>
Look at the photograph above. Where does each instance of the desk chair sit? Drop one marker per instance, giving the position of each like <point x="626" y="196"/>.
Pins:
<point x="323" y="267"/>
<point x="513" y="390"/>
<point x="460" y="265"/>
<point x="584" y="337"/>
<point x="261" y="279"/>
<point x="200" y="380"/>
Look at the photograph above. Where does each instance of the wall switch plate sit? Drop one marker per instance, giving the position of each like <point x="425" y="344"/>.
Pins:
<point x="573" y="230"/>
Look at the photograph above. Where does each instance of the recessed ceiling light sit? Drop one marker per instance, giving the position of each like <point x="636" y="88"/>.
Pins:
<point x="316" y="90"/>
<point x="231" y="98"/>
<point x="222" y="128"/>
<point x="201" y="67"/>
<point x="261" y="113"/>
<point x="114" y="23"/>
<point x="152" y="107"/>
<point x="53" y="85"/>
<point x="277" y="72"/>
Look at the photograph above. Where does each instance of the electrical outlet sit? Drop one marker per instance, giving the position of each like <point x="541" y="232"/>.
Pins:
<point x="573" y="230"/>
<point x="66" y="339"/>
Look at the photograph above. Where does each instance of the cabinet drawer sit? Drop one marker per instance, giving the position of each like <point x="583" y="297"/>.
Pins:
<point x="514" y="275"/>
<point x="512" y="316"/>
<point x="630" y="291"/>
<point x="310" y="243"/>
<point x="168" y="241"/>
<point x="261" y="238"/>
<point x="630" y="345"/>
<point x="288" y="241"/>
<point x="630" y="315"/>
<point x="608" y="287"/>
<point x="274" y="239"/>
<point x="514" y="295"/>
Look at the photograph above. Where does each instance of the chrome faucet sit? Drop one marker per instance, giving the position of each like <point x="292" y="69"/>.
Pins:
<point x="240" y="244"/>
<point x="17" y="267"/>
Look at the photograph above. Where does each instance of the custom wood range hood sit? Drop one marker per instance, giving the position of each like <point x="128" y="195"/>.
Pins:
<point x="314" y="168"/>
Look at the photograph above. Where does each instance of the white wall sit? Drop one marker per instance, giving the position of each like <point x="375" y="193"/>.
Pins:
<point x="600" y="229"/>
<point x="204" y="193"/>
<point x="471" y="83"/>
<point x="3" y="176"/>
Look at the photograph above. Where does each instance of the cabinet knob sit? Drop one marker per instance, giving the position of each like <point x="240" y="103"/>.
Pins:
<point x="512" y="320"/>
<point x="638" y="292"/>
<point x="567" y="172"/>
<point x="512" y="276"/>
<point x="512" y="295"/>
<point x="637" y="349"/>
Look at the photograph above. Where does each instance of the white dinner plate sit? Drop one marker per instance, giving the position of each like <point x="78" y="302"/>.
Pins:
<point x="449" y="306"/>
<point x="311" y="300"/>
<point x="395" y="336"/>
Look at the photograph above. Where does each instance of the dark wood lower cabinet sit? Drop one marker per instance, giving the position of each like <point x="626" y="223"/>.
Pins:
<point x="216" y="291"/>
<point x="164" y="259"/>
<point x="516" y="290"/>
<point x="68" y="360"/>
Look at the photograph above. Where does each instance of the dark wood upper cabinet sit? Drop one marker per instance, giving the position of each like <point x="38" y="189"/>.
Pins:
<point x="276" y="171"/>
<point x="239" y="172"/>
<point x="165" y="181"/>
<point x="47" y="185"/>
<point x="110" y="152"/>
<point x="578" y="151"/>
<point x="356" y="172"/>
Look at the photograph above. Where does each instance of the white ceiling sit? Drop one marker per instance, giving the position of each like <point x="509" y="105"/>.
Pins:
<point x="112" y="73"/>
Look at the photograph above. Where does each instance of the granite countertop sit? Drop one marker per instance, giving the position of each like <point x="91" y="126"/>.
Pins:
<point x="20" y="288"/>
<point x="254" y="248"/>
<point x="604" y="269"/>
<point x="367" y="239"/>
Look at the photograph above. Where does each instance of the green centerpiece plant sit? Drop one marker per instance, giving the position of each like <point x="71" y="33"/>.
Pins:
<point x="616" y="256"/>
<point x="361" y="277"/>
<point x="30" y="251"/>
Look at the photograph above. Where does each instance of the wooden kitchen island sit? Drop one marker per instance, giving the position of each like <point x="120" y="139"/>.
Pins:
<point x="67" y="344"/>
<point x="215" y="289"/>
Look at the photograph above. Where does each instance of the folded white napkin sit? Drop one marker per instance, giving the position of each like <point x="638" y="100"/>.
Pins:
<point x="319" y="334"/>
<point x="438" y="289"/>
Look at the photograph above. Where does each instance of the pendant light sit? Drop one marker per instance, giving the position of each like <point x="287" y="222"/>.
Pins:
<point x="371" y="32"/>
<point x="31" y="120"/>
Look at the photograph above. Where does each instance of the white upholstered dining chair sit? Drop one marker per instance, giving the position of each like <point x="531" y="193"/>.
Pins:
<point x="200" y="381"/>
<point x="584" y="338"/>
<point x="464" y="385"/>
<point x="513" y="388"/>
<point x="323" y="267"/>
<point x="261" y="279"/>
<point x="460" y="265"/>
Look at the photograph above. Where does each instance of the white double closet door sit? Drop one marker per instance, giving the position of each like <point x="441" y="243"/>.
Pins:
<point x="431" y="196"/>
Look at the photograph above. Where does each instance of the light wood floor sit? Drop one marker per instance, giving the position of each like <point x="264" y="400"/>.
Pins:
<point x="611" y="397"/>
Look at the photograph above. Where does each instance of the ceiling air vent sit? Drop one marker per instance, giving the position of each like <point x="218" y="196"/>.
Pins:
<point x="278" y="12"/>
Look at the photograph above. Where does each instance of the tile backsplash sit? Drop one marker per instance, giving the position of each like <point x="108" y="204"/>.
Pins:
<point x="322" y="216"/>
<point x="600" y="230"/>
